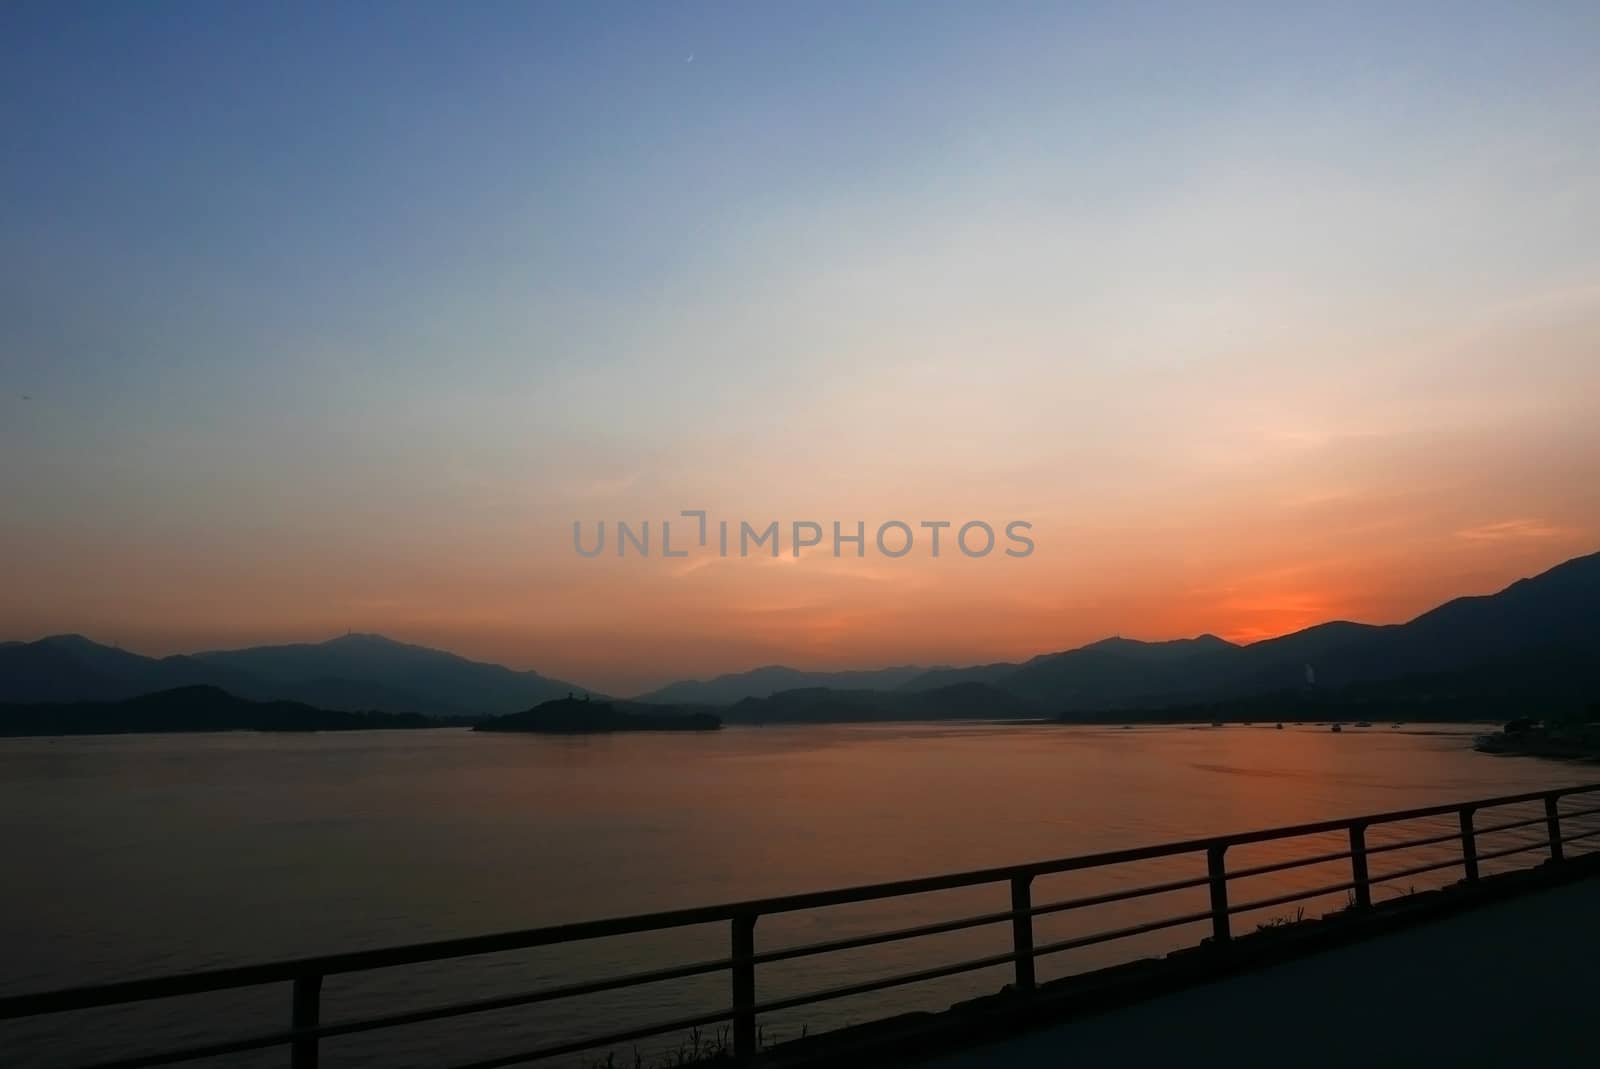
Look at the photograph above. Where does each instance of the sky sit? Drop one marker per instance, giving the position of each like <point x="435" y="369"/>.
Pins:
<point x="319" y="319"/>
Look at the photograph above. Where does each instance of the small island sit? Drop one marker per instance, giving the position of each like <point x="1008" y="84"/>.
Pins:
<point x="1569" y="738"/>
<point x="580" y="716"/>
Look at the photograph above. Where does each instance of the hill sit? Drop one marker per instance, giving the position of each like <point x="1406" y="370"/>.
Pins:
<point x="372" y="670"/>
<point x="572" y="716"/>
<point x="771" y="679"/>
<point x="352" y="673"/>
<point x="959" y="701"/>
<point x="1547" y="684"/>
<point x="195" y="708"/>
<point x="1551" y="620"/>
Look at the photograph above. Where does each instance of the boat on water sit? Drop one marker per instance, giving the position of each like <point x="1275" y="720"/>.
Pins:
<point x="1280" y="725"/>
<point x="1363" y="723"/>
<point x="1337" y="727"/>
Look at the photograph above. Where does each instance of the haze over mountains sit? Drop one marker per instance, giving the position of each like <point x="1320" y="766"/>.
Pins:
<point x="1536" y="641"/>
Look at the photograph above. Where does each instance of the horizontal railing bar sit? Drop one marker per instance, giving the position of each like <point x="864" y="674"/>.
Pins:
<point x="282" y="1038"/>
<point x="283" y="971"/>
<point x="899" y="980"/>
<point x="1455" y="836"/>
<point x="206" y="1050"/>
<point x="1540" y="819"/>
<point x="1294" y="896"/>
<point x="1118" y="896"/>
<point x="854" y="942"/>
<point x="504" y="1002"/>
<point x="1417" y="870"/>
<point x="1395" y="816"/>
<point x="1119" y="933"/>
<point x="572" y="1046"/>
<point x="460" y="1009"/>
<point x="1447" y="837"/>
<point x="1579" y="813"/>
<point x="992" y="961"/>
<point x="1279" y="866"/>
<point x="1581" y="835"/>
<point x="1537" y="844"/>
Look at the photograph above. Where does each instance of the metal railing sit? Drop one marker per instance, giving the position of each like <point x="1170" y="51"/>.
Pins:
<point x="305" y="976"/>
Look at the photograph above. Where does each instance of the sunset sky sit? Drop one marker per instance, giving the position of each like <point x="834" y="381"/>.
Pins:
<point x="314" y="321"/>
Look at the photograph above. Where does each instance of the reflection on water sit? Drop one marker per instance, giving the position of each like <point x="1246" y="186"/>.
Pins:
<point x="141" y="855"/>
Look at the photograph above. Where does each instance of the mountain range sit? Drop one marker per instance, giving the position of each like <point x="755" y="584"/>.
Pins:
<point x="774" y="679"/>
<point x="1535" y="645"/>
<point x="1536" y="640"/>
<point x="354" y="672"/>
<point x="197" y="708"/>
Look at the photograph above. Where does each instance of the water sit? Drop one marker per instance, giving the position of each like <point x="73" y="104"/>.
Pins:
<point x="140" y="855"/>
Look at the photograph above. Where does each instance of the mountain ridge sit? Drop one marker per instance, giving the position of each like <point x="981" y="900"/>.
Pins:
<point x="196" y="708"/>
<point x="1554" y="615"/>
<point x="348" y="673"/>
<point x="769" y="679"/>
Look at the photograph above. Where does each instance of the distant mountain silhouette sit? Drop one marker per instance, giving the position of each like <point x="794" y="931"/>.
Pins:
<point x="770" y="679"/>
<point x="1536" y="641"/>
<point x="959" y="701"/>
<point x="65" y="668"/>
<point x="369" y="670"/>
<point x="576" y="716"/>
<point x="1551" y="620"/>
<point x="1092" y="675"/>
<point x="354" y="672"/>
<point x="1550" y="683"/>
<point x="195" y="708"/>
<point x="1556" y="610"/>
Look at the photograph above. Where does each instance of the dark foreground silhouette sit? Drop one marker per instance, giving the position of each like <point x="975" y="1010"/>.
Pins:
<point x="1393" y="996"/>
<point x="567" y="716"/>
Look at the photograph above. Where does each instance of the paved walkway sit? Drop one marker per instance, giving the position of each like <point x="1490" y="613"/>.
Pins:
<point x="1512" y="984"/>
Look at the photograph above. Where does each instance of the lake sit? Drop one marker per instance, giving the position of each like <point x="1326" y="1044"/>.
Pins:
<point x="140" y="855"/>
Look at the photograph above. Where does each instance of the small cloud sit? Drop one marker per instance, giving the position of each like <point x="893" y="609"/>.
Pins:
<point x="1511" y="530"/>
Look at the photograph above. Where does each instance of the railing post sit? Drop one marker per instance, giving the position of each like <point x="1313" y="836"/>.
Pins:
<point x="307" y="1013"/>
<point x="1218" y="872"/>
<point x="1469" y="845"/>
<point x="1358" y="865"/>
<point x="1552" y="821"/>
<point x="1022" y="930"/>
<point x="744" y="987"/>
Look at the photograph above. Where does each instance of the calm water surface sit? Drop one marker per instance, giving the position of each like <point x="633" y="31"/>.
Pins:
<point x="132" y="856"/>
